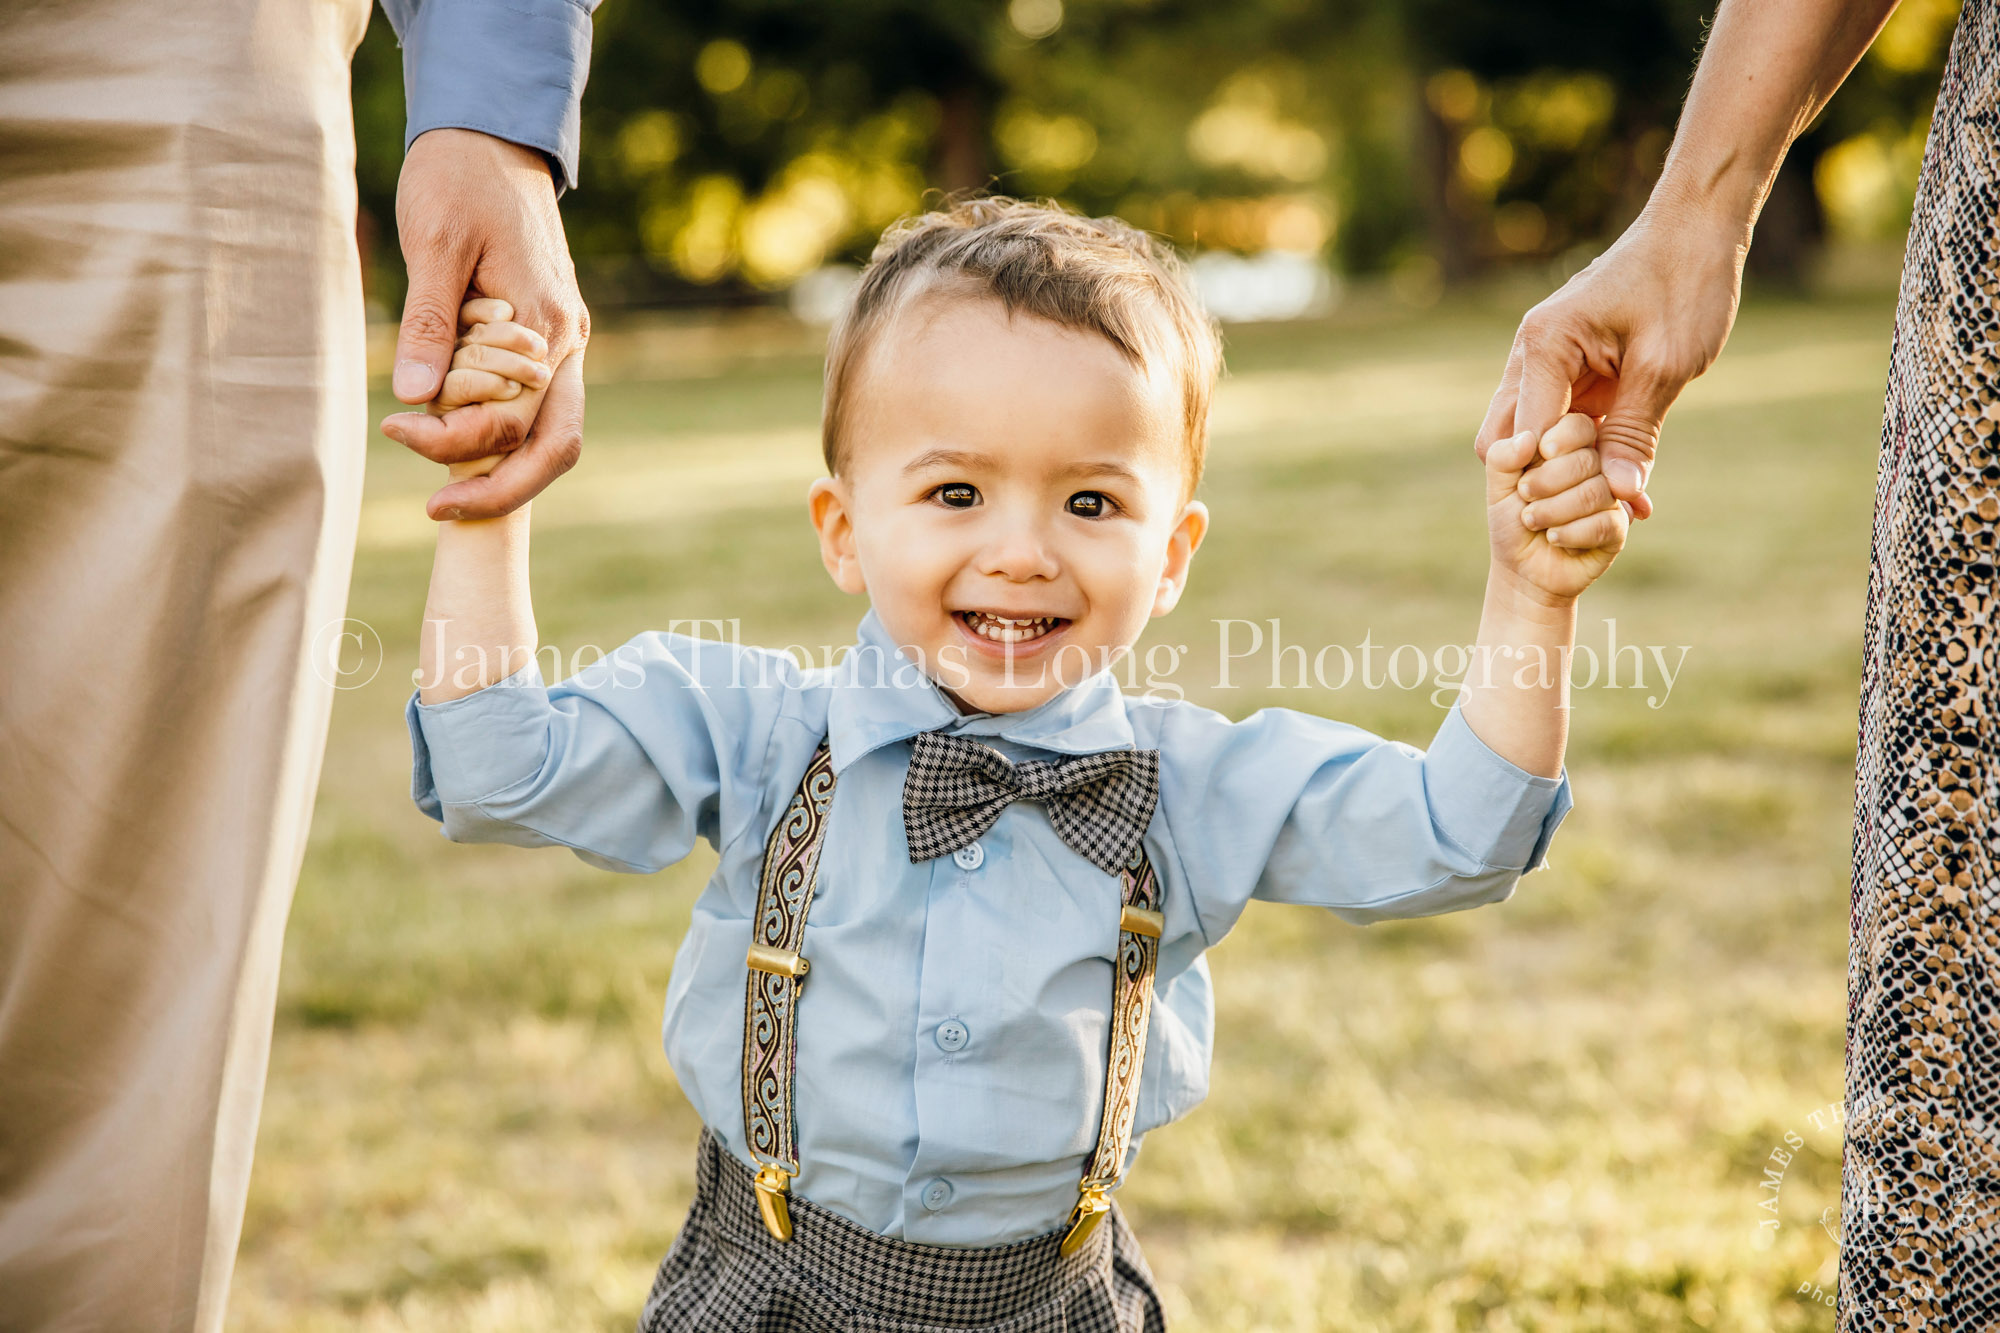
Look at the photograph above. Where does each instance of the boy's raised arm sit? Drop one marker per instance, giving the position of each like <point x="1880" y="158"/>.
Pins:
<point x="1417" y="833"/>
<point x="479" y="620"/>
<point x="1554" y="527"/>
<point x="626" y="762"/>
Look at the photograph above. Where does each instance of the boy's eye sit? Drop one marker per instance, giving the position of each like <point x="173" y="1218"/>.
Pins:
<point x="1089" y="504"/>
<point x="957" y="495"/>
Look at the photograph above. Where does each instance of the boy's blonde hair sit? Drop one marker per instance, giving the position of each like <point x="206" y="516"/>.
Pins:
<point x="1097" y="275"/>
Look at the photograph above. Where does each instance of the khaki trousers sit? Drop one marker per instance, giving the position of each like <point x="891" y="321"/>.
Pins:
<point x="181" y="430"/>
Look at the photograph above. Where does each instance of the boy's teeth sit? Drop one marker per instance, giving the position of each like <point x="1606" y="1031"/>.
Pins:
<point x="1006" y="629"/>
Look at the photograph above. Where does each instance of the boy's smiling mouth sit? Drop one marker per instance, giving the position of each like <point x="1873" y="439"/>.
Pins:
<point x="1008" y="631"/>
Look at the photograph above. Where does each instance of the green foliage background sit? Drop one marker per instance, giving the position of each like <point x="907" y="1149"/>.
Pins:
<point x="732" y="145"/>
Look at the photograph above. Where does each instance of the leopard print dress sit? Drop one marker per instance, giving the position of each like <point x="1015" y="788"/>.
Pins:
<point x="1920" y="1176"/>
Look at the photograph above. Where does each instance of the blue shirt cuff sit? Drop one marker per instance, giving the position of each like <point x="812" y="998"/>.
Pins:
<point x="465" y="750"/>
<point x="514" y="69"/>
<point x="1490" y="807"/>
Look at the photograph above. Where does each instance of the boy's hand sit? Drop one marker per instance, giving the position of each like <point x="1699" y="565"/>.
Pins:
<point x="496" y="361"/>
<point x="1551" y="516"/>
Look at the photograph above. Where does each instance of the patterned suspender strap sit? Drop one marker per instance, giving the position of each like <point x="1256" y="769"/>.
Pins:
<point x="1139" y="929"/>
<point x="777" y="975"/>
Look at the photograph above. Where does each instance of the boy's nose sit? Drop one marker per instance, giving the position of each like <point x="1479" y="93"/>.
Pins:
<point x="1019" y="552"/>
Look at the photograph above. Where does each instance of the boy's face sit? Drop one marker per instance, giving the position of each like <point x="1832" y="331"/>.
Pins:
<point x="1010" y="499"/>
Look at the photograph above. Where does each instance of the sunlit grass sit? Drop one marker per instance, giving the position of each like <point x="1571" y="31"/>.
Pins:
<point x="1554" y="1114"/>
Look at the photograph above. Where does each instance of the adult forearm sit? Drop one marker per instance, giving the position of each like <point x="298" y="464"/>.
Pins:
<point x="479" y="622"/>
<point x="1516" y="691"/>
<point x="1768" y="68"/>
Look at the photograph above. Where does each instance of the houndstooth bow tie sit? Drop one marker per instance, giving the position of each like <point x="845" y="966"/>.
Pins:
<point x="1100" y="804"/>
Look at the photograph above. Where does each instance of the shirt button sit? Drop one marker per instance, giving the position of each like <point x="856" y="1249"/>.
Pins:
<point x="936" y="1194"/>
<point x="970" y="857"/>
<point x="952" y="1035"/>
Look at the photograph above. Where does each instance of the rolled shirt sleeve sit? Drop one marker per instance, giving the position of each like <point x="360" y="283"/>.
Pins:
<point x="1301" y="809"/>
<point x="514" y="69"/>
<point x="1489" y="804"/>
<point x="626" y="763"/>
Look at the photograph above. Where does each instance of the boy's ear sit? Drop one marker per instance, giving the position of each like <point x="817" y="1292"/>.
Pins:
<point x="1181" y="546"/>
<point x="833" y="519"/>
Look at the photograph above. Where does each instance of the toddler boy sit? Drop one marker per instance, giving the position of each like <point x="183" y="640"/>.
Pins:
<point x="949" y="969"/>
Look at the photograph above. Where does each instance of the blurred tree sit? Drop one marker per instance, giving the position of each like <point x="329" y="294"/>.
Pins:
<point x="1543" y="121"/>
<point x="1544" y="124"/>
<point x="1865" y="150"/>
<point x="733" y="145"/>
<point x="750" y="140"/>
<point x="378" y="159"/>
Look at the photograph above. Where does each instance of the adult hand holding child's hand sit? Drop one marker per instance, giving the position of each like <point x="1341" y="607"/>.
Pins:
<point x="496" y="361"/>
<point x="478" y="214"/>
<point x="1550" y="513"/>
<point x="479" y="623"/>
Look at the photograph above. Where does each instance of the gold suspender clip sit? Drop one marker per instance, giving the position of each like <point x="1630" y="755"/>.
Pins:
<point x="1143" y="921"/>
<point x="780" y="962"/>
<point x="773" y="1183"/>
<point x="1093" y="1202"/>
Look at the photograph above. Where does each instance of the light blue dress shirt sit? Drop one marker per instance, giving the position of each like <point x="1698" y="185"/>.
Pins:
<point x="952" y="1043"/>
<point x="514" y="69"/>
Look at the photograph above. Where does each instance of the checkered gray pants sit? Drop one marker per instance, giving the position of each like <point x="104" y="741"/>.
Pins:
<point x="726" y="1274"/>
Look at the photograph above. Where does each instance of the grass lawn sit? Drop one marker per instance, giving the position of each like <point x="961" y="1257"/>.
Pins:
<point x="1552" y="1114"/>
